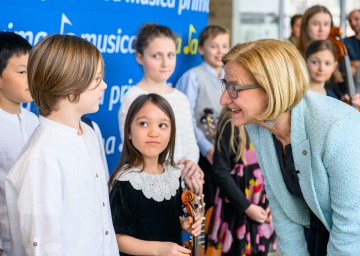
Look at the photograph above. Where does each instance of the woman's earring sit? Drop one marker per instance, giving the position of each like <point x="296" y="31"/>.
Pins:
<point x="270" y="122"/>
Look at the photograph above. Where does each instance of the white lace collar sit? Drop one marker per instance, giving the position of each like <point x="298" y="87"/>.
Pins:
<point x="156" y="186"/>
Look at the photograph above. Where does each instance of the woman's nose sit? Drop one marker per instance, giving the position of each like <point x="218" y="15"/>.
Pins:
<point x="225" y="99"/>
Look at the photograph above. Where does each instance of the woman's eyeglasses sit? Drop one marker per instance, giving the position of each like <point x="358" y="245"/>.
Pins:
<point x="233" y="89"/>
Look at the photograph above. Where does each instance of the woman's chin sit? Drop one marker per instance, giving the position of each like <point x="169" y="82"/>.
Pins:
<point x="236" y="121"/>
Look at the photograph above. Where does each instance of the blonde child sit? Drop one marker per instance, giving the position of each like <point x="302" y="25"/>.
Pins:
<point x="145" y="194"/>
<point x="56" y="192"/>
<point x="16" y="123"/>
<point x="201" y="86"/>
<point x="242" y="222"/>
<point x="156" y="53"/>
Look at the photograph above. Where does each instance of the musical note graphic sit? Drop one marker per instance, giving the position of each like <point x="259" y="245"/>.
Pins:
<point x="192" y="45"/>
<point x="64" y="20"/>
<point x="178" y="45"/>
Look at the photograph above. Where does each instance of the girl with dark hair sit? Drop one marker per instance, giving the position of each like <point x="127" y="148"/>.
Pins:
<point x="145" y="191"/>
<point x="321" y="57"/>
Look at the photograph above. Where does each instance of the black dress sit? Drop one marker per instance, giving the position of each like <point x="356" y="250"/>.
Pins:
<point x="136" y="215"/>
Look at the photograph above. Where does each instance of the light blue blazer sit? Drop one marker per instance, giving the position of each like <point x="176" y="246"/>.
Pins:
<point x="325" y="140"/>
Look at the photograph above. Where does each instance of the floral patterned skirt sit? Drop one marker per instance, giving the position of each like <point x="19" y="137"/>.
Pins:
<point x="239" y="234"/>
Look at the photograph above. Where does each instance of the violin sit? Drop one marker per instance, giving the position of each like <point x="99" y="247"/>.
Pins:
<point x="189" y="201"/>
<point x="335" y="38"/>
<point x="211" y="249"/>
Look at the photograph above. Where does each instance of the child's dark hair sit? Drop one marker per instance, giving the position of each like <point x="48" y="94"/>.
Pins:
<point x="211" y="31"/>
<point x="294" y="18"/>
<point x="148" y="32"/>
<point x="11" y="44"/>
<point x="130" y="156"/>
<point x="321" y="45"/>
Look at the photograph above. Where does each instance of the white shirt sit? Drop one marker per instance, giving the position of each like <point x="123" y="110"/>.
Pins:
<point x="15" y="130"/>
<point x="57" y="195"/>
<point x="102" y="149"/>
<point x="185" y="142"/>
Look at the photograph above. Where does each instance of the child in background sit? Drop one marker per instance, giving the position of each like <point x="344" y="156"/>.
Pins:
<point x="202" y="87"/>
<point x="156" y="53"/>
<point x="316" y="24"/>
<point x="56" y="192"/>
<point x="321" y="57"/>
<point x="295" y="24"/>
<point x="145" y="191"/>
<point x="242" y="223"/>
<point x="16" y="123"/>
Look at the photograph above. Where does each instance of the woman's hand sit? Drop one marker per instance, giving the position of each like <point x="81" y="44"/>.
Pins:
<point x="193" y="176"/>
<point x="193" y="228"/>
<point x="257" y="213"/>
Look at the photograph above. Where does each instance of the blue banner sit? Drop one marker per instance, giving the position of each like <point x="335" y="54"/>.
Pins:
<point x="112" y="27"/>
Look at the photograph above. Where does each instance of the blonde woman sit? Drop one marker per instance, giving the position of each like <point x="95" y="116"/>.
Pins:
<point x="307" y="146"/>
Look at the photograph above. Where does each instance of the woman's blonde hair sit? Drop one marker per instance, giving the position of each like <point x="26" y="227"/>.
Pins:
<point x="278" y="67"/>
<point x="61" y="66"/>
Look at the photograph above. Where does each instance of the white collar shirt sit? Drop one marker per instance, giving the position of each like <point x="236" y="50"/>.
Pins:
<point x="57" y="195"/>
<point x="15" y="130"/>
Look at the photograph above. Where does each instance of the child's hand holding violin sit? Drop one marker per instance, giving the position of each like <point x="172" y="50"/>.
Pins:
<point x="187" y="225"/>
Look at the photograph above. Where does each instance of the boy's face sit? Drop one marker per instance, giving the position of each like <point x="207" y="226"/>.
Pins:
<point x="214" y="49"/>
<point x="296" y="28"/>
<point x="90" y="99"/>
<point x="14" y="87"/>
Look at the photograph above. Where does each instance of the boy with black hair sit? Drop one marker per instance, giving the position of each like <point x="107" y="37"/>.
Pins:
<point x="16" y="123"/>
